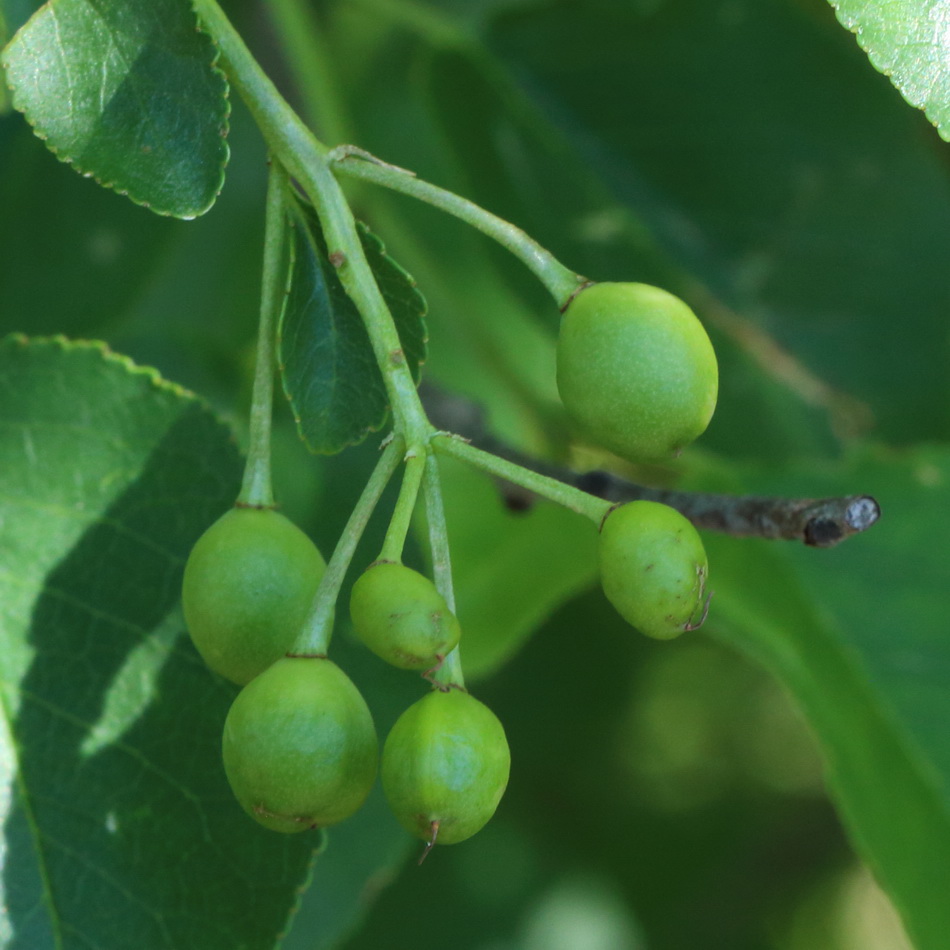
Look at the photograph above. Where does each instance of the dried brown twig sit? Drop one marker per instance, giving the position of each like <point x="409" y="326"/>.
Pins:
<point x="821" y="523"/>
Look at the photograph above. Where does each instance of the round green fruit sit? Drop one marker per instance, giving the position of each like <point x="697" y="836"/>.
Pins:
<point x="248" y="586"/>
<point x="300" y="750"/>
<point x="653" y="568"/>
<point x="445" y="766"/>
<point x="635" y="370"/>
<point x="398" y="613"/>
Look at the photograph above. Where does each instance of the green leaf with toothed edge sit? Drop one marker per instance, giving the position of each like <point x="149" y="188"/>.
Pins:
<point x="128" y="94"/>
<point x="328" y="367"/>
<point x="119" y="828"/>
<point x="908" y="41"/>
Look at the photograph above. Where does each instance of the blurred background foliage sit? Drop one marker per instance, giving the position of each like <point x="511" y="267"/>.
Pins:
<point x="745" y="154"/>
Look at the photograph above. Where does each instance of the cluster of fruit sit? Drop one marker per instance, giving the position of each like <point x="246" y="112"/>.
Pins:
<point x="300" y="748"/>
<point x="637" y="373"/>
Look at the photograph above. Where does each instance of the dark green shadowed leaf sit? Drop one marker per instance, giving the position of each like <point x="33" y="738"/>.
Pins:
<point x="761" y="157"/>
<point x="128" y="94"/>
<point x="404" y="299"/>
<point x="329" y="371"/>
<point x="105" y="252"/>
<point x="858" y="636"/>
<point x="908" y="41"/>
<point x="119" y="829"/>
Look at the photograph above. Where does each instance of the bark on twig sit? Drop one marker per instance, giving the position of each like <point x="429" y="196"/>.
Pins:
<point x="821" y="523"/>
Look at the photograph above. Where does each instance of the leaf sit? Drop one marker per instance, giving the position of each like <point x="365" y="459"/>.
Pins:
<point x="5" y="104"/>
<point x="857" y="634"/>
<point x="328" y="367"/>
<point x="127" y="93"/>
<point x="512" y="571"/>
<point x="907" y="40"/>
<point x="106" y="252"/>
<point x="120" y="830"/>
<point x="834" y="248"/>
<point x="15" y="13"/>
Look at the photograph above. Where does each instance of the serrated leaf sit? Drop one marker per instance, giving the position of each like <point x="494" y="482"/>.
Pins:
<point x="127" y="93"/>
<point x="119" y="828"/>
<point x="405" y="300"/>
<point x="328" y="367"/>
<point x="908" y="41"/>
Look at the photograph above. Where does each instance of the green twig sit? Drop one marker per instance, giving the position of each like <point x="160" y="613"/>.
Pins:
<point x="560" y="281"/>
<point x="315" y="636"/>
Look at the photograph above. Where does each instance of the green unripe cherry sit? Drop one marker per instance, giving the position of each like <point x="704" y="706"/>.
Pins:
<point x="248" y="585"/>
<point x="445" y="766"/>
<point x="300" y="749"/>
<point x="635" y="370"/>
<point x="653" y="568"/>
<point x="398" y="613"/>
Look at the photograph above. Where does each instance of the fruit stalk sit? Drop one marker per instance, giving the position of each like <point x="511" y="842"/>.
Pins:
<point x="405" y="505"/>
<point x="317" y="629"/>
<point x="450" y="672"/>
<point x="256" y="490"/>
